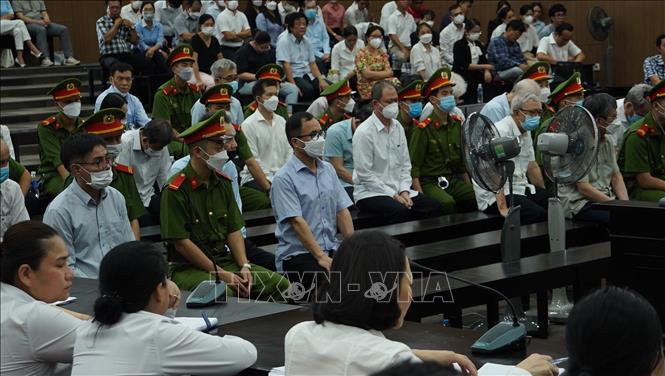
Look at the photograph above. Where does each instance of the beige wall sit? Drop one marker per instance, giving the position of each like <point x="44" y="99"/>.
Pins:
<point x="637" y="23"/>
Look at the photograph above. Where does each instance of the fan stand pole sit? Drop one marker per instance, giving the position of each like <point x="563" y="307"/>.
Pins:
<point x="560" y="306"/>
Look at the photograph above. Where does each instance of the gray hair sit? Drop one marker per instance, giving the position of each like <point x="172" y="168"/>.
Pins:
<point x="377" y="89"/>
<point x="599" y="105"/>
<point x="526" y="86"/>
<point x="637" y="95"/>
<point x="520" y="99"/>
<point x="222" y="65"/>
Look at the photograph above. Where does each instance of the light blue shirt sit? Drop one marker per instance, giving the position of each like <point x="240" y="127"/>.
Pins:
<point x="318" y="36"/>
<point x="545" y="31"/>
<point x="5" y="7"/>
<point x="317" y="197"/>
<point x="135" y="117"/>
<point x="237" y="116"/>
<point x="89" y="229"/>
<point x="148" y="37"/>
<point x="273" y="29"/>
<point x="298" y="54"/>
<point x="497" y="109"/>
<point x="338" y="144"/>
<point x="213" y="10"/>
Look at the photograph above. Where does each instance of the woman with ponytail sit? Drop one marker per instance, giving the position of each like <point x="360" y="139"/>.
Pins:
<point x="35" y="335"/>
<point x="130" y="334"/>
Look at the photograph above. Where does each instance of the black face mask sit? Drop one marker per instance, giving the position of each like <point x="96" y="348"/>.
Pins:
<point x="233" y="155"/>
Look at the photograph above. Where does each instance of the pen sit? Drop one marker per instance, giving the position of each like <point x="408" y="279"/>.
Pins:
<point x="558" y="361"/>
<point x="206" y="320"/>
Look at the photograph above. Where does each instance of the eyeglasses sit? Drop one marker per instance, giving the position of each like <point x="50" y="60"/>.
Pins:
<point x="314" y="135"/>
<point x="531" y="112"/>
<point x="100" y="162"/>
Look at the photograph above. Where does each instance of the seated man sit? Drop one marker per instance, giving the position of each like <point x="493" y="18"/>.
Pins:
<point x="603" y="182"/>
<point x="338" y="148"/>
<point x="505" y="54"/>
<point x="175" y="98"/>
<point x="310" y="205"/>
<point x="16" y="172"/>
<point x="12" y="202"/>
<point x="165" y="13"/>
<point x="146" y="151"/>
<point x="296" y="54"/>
<point x="121" y="82"/>
<point x="186" y="23"/>
<point x="451" y="33"/>
<point x="528" y="184"/>
<point x="643" y="170"/>
<point x="115" y="37"/>
<point x="200" y="217"/>
<point x="499" y="107"/>
<point x="654" y="66"/>
<point x="107" y="124"/>
<point x="340" y="103"/>
<point x="559" y="47"/>
<point x="90" y="216"/>
<point x="256" y="57"/>
<point x="272" y="72"/>
<point x="232" y="28"/>
<point x="437" y="164"/>
<point x="224" y="71"/>
<point x="266" y="137"/>
<point x="629" y="110"/>
<point x="39" y="24"/>
<point x="382" y="168"/>
<point x="53" y="131"/>
<point x="317" y="35"/>
<point x="557" y="14"/>
<point x="410" y="106"/>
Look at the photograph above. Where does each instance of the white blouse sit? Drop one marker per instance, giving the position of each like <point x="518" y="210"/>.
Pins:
<point x="35" y="336"/>
<point x="476" y="52"/>
<point x="421" y="59"/>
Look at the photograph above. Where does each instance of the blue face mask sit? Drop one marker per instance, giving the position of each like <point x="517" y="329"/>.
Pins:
<point x="447" y="103"/>
<point x="580" y="103"/>
<point x="4" y="174"/>
<point x="531" y="122"/>
<point x="234" y="85"/>
<point x="633" y="118"/>
<point x="415" y="109"/>
<point x="310" y="14"/>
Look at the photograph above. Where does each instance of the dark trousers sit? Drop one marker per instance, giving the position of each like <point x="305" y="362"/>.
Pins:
<point x="349" y="191"/>
<point x="308" y="87"/>
<point x="304" y="269"/>
<point x="258" y="256"/>
<point x="323" y="67"/>
<point x="590" y="213"/>
<point x="157" y="65"/>
<point x="533" y="207"/>
<point x="229" y="52"/>
<point x="151" y="215"/>
<point x="391" y="211"/>
<point x="137" y="61"/>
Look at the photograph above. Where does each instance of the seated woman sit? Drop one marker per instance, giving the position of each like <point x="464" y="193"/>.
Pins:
<point x="151" y="37"/>
<point x="35" y="335"/>
<point x="131" y="335"/>
<point x="11" y="25"/>
<point x="372" y="63"/>
<point x="425" y="58"/>
<point x="345" y="336"/>
<point x="270" y="22"/>
<point x="206" y="51"/>
<point x="470" y="61"/>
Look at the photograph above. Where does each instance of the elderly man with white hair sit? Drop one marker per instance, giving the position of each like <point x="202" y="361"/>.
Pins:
<point x="224" y="71"/>
<point x="528" y="184"/>
<point x="499" y="107"/>
<point x="629" y="110"/>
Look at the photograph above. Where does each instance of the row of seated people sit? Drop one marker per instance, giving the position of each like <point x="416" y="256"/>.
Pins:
<point x="344" y="337"/>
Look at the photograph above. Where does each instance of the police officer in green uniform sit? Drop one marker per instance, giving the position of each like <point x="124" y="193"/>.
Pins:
<point x="108" y="125"/>
<point x="541" y="73"/>
<point x="437" y="167"/>
<point x="340" y="104"/>
<point x="642" y="155"/>
<point x="175" y="98"/>
<point x="20" y="175"/>
<point x="410" y="106"/>
<point x="270" y="72"/>
<point x="199" y="216"/>
<point x="219" y="98"/>
<point x="53" y="131"/>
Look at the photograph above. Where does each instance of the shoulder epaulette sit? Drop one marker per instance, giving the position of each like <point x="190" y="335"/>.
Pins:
<point x="252" y="106"/>
<point x="49" y="121"/>
<point x="237" y="127"/>
<point x="177" y="182"/>
<point x="223" y="175"/>
<point x="125" y="169"/>
<point x="324" y="119"/>
<point x="456" y="117"/>
<point x="550" y="108"/>
<point x="283" y="104"/>
<point x="170" y="89"/>
<point x="642" y="131"/>
<point x="194" y="87"/>
<point x="423" y="124"/>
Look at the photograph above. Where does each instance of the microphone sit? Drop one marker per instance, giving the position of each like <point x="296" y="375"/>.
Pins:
<point x="207" y="292"/>
<point x="501" y="337"/>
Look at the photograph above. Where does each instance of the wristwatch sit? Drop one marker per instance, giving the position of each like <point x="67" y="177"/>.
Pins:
<point x="247" y="265"/>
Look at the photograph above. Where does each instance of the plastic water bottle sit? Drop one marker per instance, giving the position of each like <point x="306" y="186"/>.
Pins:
<point x="479" y="93"/>
<point x="446" y="322"/>
<point x="34" y="183"/>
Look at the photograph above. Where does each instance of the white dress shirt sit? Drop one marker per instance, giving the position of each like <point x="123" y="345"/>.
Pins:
<point x="35" y="336"/>
<point x="147" y="170"/>
<point x="342" y="59"/>
<point x="447" y="38"/>
<point x="146" y="343"/>
<point x="498" y="31"/>
<point x="4" y="130"/>
<point x="529" y="39"/>
<point x="508" y="128"/>
<point x="386" y="11"/>
<point x="127" y="13"/>
<point x="402" y="25"/>
<point x="334" y="349"/>
<point x="318" y="107"/>
<point x="13" y="209"/>
<point x="233" y="22"/>
<point x="548" y="46"/>
<point x="616" y="130"/>
<point x="381" y="160"/>
<point x="354" y="16"/>
<point x="421" y="59"/>
<point x="268" y="143"/>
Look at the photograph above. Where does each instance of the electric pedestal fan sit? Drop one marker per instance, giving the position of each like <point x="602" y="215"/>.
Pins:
<point x="568" y="147"/>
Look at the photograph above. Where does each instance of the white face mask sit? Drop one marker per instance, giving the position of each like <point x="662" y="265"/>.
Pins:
<point x="72" y="110"/>
<point x="257" y="3"/>
<point x="289" y="8"/>
<point x="194" y="15"/>
<point x="425" y="38"/>
<point x="232" y="5"/>
<point x="528" y="20"/>
<point x="186" y="73"/>
<point x="375" y="42"/>
<point x="390" y="111"/>
<point x="474" y="36"/>
<point x="113" y="150"/>
<point x="217" y="161"/>
<point x="430" y="23"/>
<point x="271" y="103"/>
<point x="136" y="5"/>
<point x="314" y="148"/>
<point x="99" y="179"/>
<point x="271" y="5"/>
<point x="349" y="105"/>
<point x="153" y="153"/>
<point x="459" y="19"/>
<point x="544" y="94"/>
<point x="148" y="16"/>
<point x="208" y="30"/>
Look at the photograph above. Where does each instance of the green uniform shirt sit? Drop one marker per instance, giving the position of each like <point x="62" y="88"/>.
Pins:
<point x="243" y="150"/>
<point x="51" y="135"/>
<point x="643" y="150"/>
<point x="436" y="152"/>
<point x="327" y="119"/>
<point x="175" y="104"/>
<point x="210" y="210"/>
<point x="408" y="124"/>
<point x="282" y="109"/>
<point x="15" y="170"/>
<point x="124" y="182"/>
